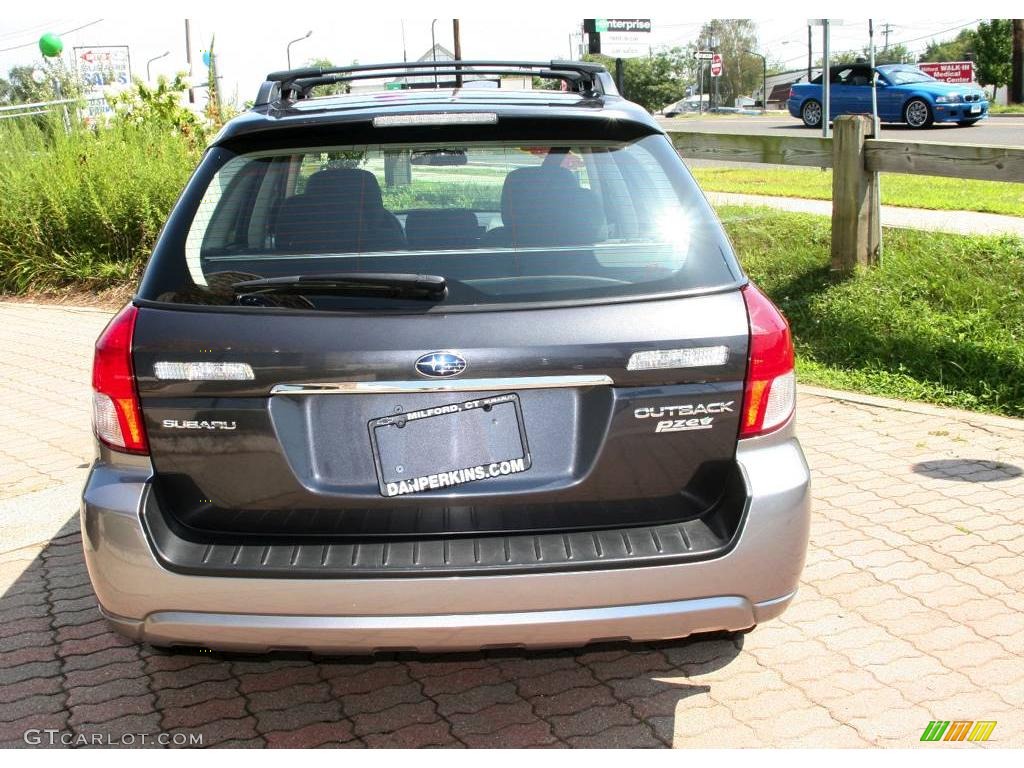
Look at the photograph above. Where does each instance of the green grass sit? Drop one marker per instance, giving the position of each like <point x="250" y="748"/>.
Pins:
<point x="1006" y="109"/>
<point x="897" y="189"/>
<point x="85" y="207"/>
<point x="942" y="320"/>
<point x="429" y="193"/>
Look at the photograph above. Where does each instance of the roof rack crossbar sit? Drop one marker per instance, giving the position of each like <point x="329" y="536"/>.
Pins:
<point x="583" y="67"/>
<point x="303" y="86"/>
<point x="296" y="83"/>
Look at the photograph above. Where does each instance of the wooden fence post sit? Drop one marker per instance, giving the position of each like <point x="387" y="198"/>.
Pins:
<point x="856" y="223"/>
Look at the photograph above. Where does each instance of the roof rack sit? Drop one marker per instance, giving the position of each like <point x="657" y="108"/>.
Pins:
<point x="584" y="77"/>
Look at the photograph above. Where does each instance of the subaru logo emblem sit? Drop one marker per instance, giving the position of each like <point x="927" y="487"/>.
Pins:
<point x="438" y="365"/>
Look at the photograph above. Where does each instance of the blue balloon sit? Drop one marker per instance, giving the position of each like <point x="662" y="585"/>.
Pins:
<point x="206" y="58"/>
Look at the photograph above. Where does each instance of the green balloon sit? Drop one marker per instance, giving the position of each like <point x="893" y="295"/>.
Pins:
<point x="50" y="45"/>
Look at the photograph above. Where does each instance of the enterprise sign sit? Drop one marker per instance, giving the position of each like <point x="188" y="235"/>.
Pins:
<point x="619" y="38"/>
<point x="622" y="25"/>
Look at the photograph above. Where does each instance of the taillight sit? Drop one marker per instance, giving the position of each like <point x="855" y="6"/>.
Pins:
<point x="792" y="92"/>
<point x="116" y="413"/>
<point x="770" y="393"/>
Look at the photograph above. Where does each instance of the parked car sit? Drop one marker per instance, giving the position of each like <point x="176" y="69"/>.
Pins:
<point x="686" y="106"/>
<point x="442" y="369"/>
<point x="905" y="94"/>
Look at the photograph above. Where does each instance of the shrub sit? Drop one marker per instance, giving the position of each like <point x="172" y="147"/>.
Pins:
<point x="84" y="207"/>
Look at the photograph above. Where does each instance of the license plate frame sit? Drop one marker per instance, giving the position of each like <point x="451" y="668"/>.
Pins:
<point x="465" y="422"/>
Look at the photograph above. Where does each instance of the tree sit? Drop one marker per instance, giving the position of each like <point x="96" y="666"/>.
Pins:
<point x="960" y="48"/>
<point x="56" y="81"/>
<point x="741" y="72"/>
<point x="212" y="94"/>
<point x="897" y="53"/>
<point x="331" y="89"/>
<point x="894" y="54"/>
<point x="993" y="52"/>
<point x="651" y="81"/>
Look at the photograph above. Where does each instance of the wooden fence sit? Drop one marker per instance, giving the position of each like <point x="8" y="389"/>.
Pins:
<point x="856" y="158"/>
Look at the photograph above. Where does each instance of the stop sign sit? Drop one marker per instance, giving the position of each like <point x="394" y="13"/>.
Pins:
<point x="716" y="65"/>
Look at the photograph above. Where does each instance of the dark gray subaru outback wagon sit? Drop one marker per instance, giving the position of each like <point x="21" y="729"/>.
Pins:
<point x="443" y="367"/>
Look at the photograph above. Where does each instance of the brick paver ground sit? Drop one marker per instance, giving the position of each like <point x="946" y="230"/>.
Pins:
<point x="910" y="611"/>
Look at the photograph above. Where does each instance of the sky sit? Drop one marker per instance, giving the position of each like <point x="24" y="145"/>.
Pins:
<point x="251" y="42"/>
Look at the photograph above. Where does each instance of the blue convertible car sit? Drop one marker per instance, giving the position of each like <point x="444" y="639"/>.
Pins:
<point x="905" y="95"/>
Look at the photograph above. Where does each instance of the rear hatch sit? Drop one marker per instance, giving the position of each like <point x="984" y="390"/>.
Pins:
<point x="579" y="440"/>
<point x="582" y="369"/>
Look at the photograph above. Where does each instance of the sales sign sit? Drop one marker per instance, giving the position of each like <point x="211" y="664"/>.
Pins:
<point x="104" y="70"/>
<point x="949" y="71"/>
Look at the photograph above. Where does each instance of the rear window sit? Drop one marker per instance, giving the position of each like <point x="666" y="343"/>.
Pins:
<point x="502" y="222"/>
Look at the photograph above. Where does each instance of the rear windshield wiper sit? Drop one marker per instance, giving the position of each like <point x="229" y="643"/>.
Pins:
<point x="398" y="285"/>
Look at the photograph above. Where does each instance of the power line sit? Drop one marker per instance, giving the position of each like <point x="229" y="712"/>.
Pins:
<point x="67" y="32"/>
<point x="28" y="30"/>
<point x="931" y="35"/>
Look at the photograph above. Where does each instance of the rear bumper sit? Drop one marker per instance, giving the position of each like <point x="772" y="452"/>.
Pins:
<point x="751" y="583"/>
<point x="448" y="632"/>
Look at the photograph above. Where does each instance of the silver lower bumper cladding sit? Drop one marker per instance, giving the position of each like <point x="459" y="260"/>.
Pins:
<point x="454" y="632"/>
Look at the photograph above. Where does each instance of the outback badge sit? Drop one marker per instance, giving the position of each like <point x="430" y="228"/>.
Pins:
<point x="440" y="365"/>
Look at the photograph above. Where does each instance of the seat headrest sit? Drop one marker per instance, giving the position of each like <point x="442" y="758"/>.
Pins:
<point x="522" y="184"/>
<point x="545" y="206"/>
<point x="348" y="186"/>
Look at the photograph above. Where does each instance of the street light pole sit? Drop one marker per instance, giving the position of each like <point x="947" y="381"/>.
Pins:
<point x="433" y="49"/>
<point x="288" y="49"/>
<point x="188" y="58"/>
<point x="764" y="80"/>
<point x="826" y="82"/>
<point x="155" y="58"/>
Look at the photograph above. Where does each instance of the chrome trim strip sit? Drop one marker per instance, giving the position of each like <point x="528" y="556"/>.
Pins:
<point x="449" y="385"/>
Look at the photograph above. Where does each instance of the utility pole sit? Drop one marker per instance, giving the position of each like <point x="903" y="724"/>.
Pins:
<point x="1017" y="66"/>
<point x="810" y="61"/>
<point x="886" y="30"/>
<point x="188" y="58"/>
<point x="458" y="51"/>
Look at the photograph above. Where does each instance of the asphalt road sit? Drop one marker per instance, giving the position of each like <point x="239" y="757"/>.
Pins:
<point x="1007" y="131"/>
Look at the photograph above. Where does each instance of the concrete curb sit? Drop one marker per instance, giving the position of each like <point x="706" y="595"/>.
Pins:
<point x="64" y="307"/>
<point x="34" y="518"/>
<point x="981" y="420"/>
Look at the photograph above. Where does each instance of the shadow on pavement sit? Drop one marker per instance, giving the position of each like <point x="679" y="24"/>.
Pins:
<point x="968" y="470"/>
<point x="62" y="668"/>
